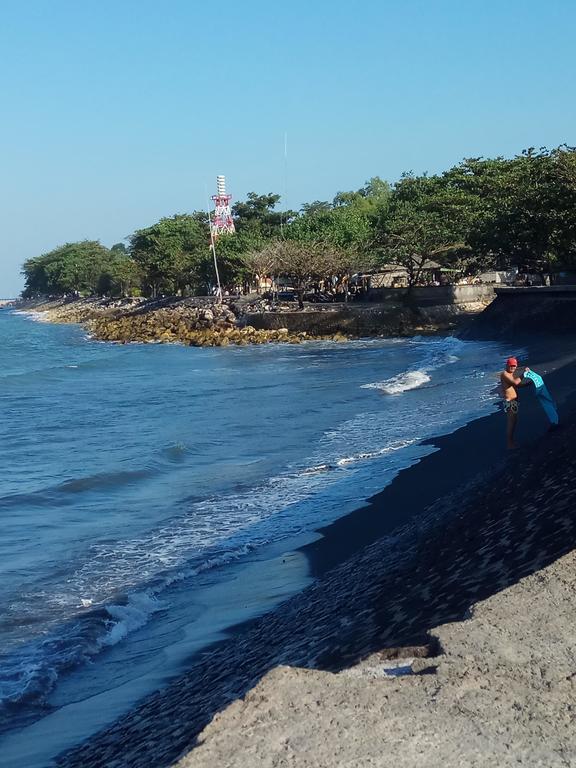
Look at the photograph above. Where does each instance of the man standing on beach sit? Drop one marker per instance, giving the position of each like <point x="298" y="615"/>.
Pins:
<point x="510" y="383"/>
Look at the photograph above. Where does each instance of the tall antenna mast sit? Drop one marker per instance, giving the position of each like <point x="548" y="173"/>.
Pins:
<point x="285" y="182"/>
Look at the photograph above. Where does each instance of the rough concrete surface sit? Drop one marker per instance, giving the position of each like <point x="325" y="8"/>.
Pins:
<point x="500" y="692"/>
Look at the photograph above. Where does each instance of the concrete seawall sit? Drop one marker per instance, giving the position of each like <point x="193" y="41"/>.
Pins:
<point x="525" y="312"/>
<point x="354" y="320"/>
<point x="385" y="313"/>
<point x="435" y="295"/>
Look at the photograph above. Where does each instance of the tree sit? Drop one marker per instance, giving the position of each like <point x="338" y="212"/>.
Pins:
<point x="257" y="215"/>
<point x="70" y="268"/>
<point x="299" y="262"/>
<point x="529" y="213"/>
<point x="347" y="223"/>
<point x="260" y="264"/>
<point x="318" y="206"/>
<point x="423" y="220"/>
<point x="122" y="276"/>
<point x="170" y="253"/>
<point x="230" y="252"/>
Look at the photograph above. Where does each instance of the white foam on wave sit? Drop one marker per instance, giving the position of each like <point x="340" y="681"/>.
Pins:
<point x="403" y="382"/>
<point x="398" y="446"/>
<point x="317" y="468"/>
<point x="129" y="617"/>
<point x="247" y="519"/>
<point x="31" y="314"/>
<point x="32" y="672"/>
<point x="437" y="353"/>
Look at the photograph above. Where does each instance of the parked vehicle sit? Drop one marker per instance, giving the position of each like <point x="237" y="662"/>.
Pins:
<point x="320" y="297"/>
<point x="286" y="296"/>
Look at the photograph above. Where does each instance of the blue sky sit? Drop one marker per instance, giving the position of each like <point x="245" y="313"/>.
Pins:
<point x="115" y="114"/>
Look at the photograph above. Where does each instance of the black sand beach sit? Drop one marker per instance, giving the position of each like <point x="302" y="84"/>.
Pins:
<point x="465" y="522"/>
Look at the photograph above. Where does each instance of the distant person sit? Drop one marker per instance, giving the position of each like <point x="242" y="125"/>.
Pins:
<point x="510" y="383"/>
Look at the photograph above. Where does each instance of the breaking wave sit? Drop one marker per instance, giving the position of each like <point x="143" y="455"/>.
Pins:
<point x="436" y="355"/>
<point x="403" y="382"/>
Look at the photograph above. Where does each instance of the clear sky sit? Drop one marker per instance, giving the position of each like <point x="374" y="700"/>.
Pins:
<point x="115" y="114"/>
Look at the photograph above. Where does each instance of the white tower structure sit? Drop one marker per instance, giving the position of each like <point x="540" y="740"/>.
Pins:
<point x="222" y="221"/>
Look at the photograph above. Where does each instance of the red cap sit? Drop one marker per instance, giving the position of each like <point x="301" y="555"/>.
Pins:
<point x="511" y="361"/>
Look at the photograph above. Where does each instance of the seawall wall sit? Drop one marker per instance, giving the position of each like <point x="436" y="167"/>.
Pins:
<point x="433" y="306"/>
<point x="435" y="295"/>
<point x="525" y="312"/>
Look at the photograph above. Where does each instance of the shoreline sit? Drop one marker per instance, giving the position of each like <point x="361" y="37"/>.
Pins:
<point x="201" y="321"/>
<point x="181" y="710"/>
<point x="425" y="483"/>
<point x="58" y="721"/>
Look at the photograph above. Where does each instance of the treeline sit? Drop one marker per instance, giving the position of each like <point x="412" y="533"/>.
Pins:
<point x="481" y="214"/>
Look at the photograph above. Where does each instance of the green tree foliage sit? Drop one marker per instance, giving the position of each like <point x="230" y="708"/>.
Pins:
<point x="347" y="223"/>
<point x="120" y="276"/>
<point x="527" y="212"/>
<point x="425" y="219"/>
<point x="257" y="216"/>
<point x="480" y="214"/>
<point x="70" y="268"/>
<point x="233" y="252"/>
<point x="171" y="254"/>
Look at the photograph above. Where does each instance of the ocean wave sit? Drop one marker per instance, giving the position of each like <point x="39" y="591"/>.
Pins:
<point x="31" y="314"/>
<point x="30" y="672"/>
<point x="151" y="564"/>
<point x="103" y="480"/>
<point x="436" y="354"/>
<point x="129" y="617"/>
<point x="52" y="495"/>
<point x="403" y="382"/>
<point x="318" y="468"/>
<point x="367" y="456"/>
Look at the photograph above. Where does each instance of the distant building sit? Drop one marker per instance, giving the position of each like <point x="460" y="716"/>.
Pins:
<point x="498" y="277"/>
<point x="397" y="276"/>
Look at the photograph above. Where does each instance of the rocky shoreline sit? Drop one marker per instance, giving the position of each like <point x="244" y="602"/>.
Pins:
<point x="203" y="322"/>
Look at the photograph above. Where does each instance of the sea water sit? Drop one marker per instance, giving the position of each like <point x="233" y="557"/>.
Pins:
<point x="143" y="486"/>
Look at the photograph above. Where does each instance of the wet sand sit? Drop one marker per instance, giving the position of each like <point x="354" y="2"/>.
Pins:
<point x="456" y="528"/>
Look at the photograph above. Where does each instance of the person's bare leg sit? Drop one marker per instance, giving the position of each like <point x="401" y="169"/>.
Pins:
<point x="510" y="429"/>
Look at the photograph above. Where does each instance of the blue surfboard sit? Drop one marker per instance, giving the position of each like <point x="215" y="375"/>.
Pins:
<point x="543" y="396"/>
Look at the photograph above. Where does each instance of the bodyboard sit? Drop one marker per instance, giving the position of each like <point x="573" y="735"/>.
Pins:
<point x="543" y="396"/>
